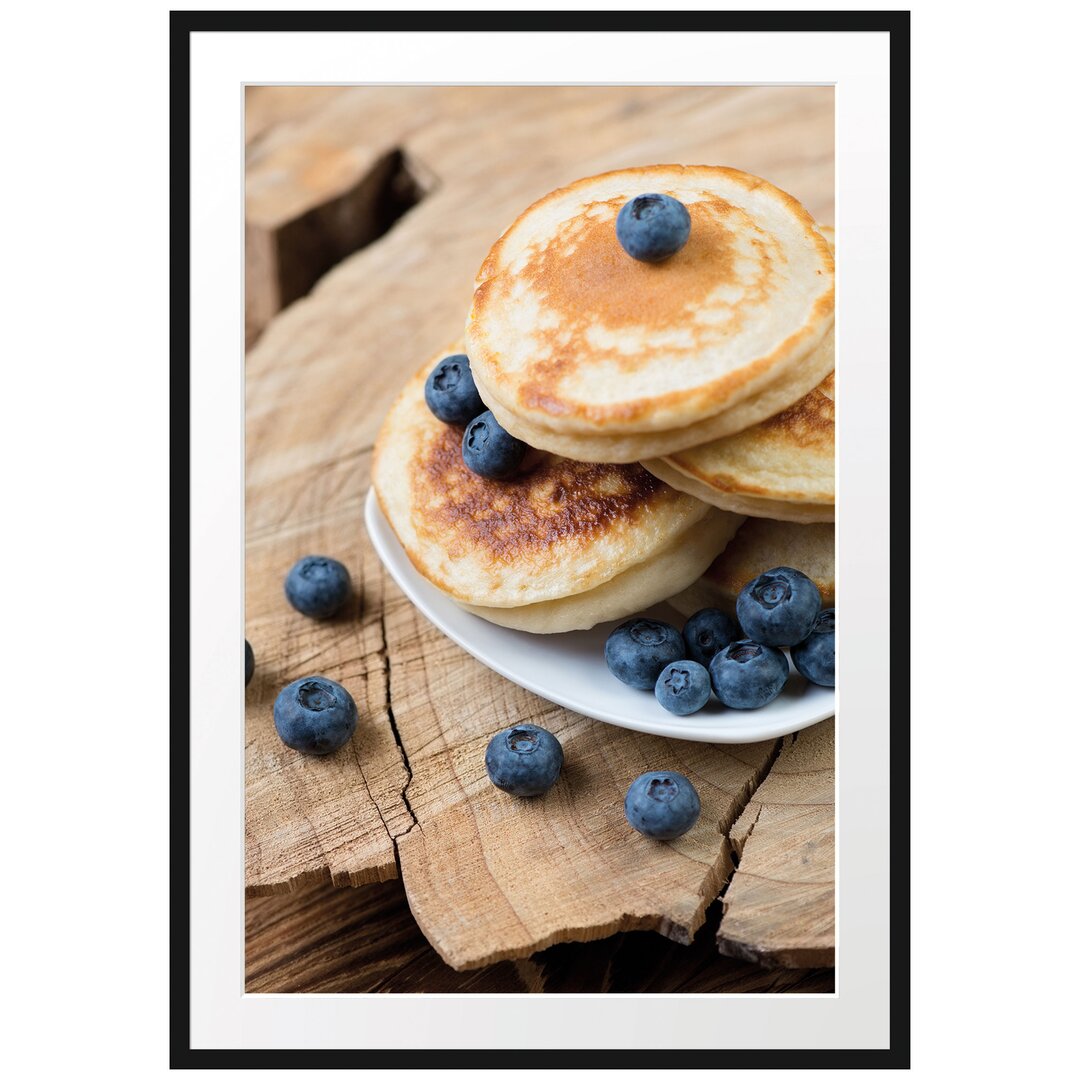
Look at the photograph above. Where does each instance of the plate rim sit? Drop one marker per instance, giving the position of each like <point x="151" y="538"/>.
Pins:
<point x="381" y="534"/>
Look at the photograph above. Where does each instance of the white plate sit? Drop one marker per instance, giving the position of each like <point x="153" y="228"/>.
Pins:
<point x="569" y="669"/>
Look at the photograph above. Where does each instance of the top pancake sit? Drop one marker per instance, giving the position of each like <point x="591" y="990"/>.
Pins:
<point x="570" y="333"/>
<point x="561" y="528"/>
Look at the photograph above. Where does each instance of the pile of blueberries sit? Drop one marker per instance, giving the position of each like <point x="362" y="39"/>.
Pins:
<point x="740" y="661"/>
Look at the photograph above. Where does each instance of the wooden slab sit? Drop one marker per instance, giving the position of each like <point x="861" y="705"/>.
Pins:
<point x="316" y="189"/>
<point x="319" y="382"/>
<point x="267" y="106"/>
<point x="490" y="877"/>
<point x="780" y="908"/>
<point x="308" y="818"/>
<point x="320" y="939"/>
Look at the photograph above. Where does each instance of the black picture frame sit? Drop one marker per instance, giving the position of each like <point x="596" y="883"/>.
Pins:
<point x="182" y="25"/>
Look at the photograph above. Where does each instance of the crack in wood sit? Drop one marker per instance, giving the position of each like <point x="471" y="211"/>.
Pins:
<point x="739" y="846"/>
<point x="292" y="241"/>
<point x="735" y="849"/>
<point x="463" y="949"/>
<point x="773" y="918"/>
<point x="385" y="654"/>
<point x="367" y="788"/>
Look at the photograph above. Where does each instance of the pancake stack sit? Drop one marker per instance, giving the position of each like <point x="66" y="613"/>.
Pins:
<point x="782" y="468"/>
<point x="580" y="349"/>
<point x="664" y="402"/>
<point x="562" y="546"/>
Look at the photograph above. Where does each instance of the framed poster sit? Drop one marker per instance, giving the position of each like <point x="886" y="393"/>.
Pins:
<point x="422" y="840"/>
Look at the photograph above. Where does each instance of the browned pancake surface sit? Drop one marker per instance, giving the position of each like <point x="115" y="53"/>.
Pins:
<point x="789" y="456"/>
<point x="584" y="279"/>
<point x="557" y="501"/>
<point x="559" y="528"/>
<point x="567" y="329"/>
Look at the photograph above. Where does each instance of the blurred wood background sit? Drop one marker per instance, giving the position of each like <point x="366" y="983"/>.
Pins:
<point x="368" y="210"/>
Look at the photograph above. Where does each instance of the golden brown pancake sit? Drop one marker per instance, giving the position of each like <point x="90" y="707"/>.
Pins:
<point x="783" y="468"/>
<point x="623" y="448"/>
<point x="750" y="505"/>
<point x="770" y="400"/>
<point x="787" y="457"/>
<point x="559" y="530"/>
<point x="760" y="545"/>
<point x="569" y="334"/>
<point x="644" y="584"/>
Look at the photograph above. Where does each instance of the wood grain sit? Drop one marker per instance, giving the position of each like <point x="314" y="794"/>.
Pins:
<point x="491" y="877"/>
<point x="319" y="381"/>
<point x="329" y="168"/>
<point x="321" y="939"/>
<point x="316" y="189"/>
<point x="267" y="106"/>
<point x="311" y="818"/>
<point x="779" y="909"/>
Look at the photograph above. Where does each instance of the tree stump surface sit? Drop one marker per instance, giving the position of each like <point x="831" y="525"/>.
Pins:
<point x="489" y="879"/>
<point x="780" y="906"/>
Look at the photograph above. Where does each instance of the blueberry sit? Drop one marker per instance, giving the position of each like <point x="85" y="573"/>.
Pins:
<point x="638" y="650"/>
<point x="524" y="760"/>
<point x="450" y="392"/>
<point x="652" y="227"/>
<point x="315" y="715"/>
<point x="747" y="675"/>
<point x="683" y="687"/>
<point x="249" y="662"/>
<point x="490" y="450"/>
<point x="707" y="632"/>
<point x="778" y="607"/>
<point x="815" y="656"/>
<point x="662" y="805"/>
<point x="318" y="586"/>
